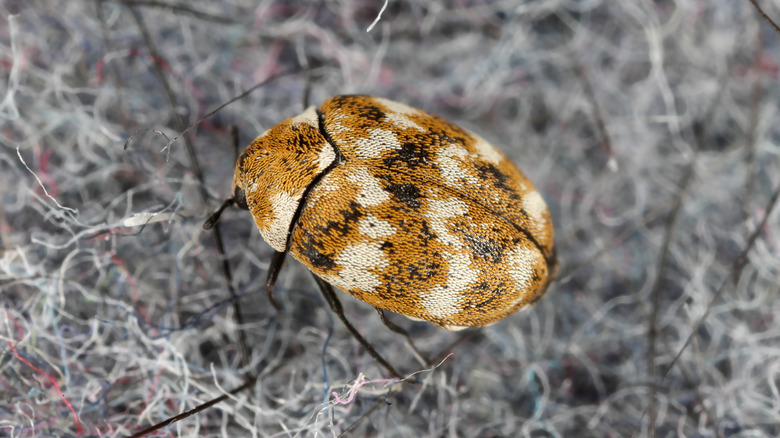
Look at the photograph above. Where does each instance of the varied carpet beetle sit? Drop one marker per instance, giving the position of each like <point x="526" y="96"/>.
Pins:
<point x="402" y="209"/>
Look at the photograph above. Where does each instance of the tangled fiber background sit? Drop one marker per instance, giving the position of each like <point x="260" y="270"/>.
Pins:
<point x="650" y="126"/>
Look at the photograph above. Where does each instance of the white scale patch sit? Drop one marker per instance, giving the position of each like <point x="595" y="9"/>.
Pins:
<point x="534" y="205"/>
<point x="370" y="192"/>
<point x="486" y="150"/>
<point x="521" y="263"/>
<point x="377" y="142"/>
<point x="402" y="121"/>
<point x="328" y="186"/>
<point x="375" y="228"/>
<point x="439" y="210"/>
<point x="322" y="190"/>
<point x="309" y="117"/>
<point x="449" y="161"/>
<point x="395" y="106"/>
<point x="325" y="157"/>
<point x="283" y="207"/>
<point x="250" y="189"/>
<point x="334" y="125"/>
<point x="396" y="114"/>
<point x="355" y="261"/>
<point x="443" y="301"/>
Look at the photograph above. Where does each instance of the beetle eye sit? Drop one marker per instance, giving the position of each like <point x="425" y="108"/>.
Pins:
<point x="239" y="197"/>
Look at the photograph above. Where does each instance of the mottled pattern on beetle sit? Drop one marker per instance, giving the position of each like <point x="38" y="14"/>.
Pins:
<point x="423" y="218"/>
<point x="275" y="170"/>
<point x="447" y="261"/>
<point x="415" y="149"/>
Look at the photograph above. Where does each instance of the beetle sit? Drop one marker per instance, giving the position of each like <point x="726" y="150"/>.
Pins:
<point x="402" y="209"/>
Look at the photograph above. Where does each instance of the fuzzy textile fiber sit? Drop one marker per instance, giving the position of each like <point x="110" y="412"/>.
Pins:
<point x="651" y="128"/>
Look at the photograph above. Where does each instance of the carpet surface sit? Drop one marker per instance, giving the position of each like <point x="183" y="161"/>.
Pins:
<point x="649" y="127"/>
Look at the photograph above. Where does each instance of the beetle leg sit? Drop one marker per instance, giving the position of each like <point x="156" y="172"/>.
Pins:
<point x="335" y="306"/>
<point x="233" y="130"/>
<point x="401" y="331"/>
<point x="212" y="220"/>
<point x="277" y="260"/>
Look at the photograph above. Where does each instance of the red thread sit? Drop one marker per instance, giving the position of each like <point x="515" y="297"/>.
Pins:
<point x="51" y="380"/>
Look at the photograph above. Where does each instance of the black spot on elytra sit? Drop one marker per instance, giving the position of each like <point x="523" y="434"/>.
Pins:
<point x="447" y="140"/>
<point x="371" y="112"/>
<point x="242" y="160"/>
<point x="346" y="222"/>
<point x="489" y="249"/>
<point x="426" y="235"/>
<point x="310" y="249"/>
<point x="394" y="291"/>
<point x="489" y="172"/>
<point x="388" y="247"/>
<point x="320" y="260"/>
<point x="424" y="271"/>
<point x="344" y="98"/>
<point x="535" y="275"/>
<point x="480" y="300"/>
<point x="411" y="155"/>
<point x="353" y="214"/>
<point x="406" y="193"/>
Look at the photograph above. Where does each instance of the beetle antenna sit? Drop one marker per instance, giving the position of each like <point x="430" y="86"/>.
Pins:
<point x="212" y="220"/>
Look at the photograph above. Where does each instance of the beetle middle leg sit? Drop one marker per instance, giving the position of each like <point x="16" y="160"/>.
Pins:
<point x="338" y="309"/>
<point x="277" y="260"/>
<point x="401" y="331"/>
